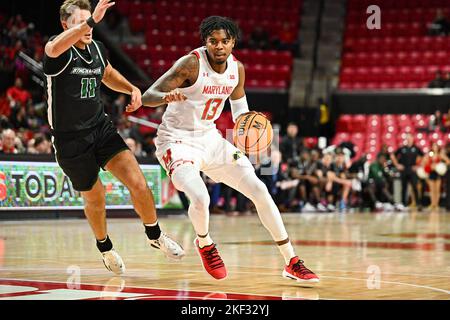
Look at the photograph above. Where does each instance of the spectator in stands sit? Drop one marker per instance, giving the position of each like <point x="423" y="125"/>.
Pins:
<point x="34" y="121"/>
<point x="124" y="127"/>
<point x="440" y="25"/>
<point x="5" y="123"/>
<point x="341" y="164"/>
<point x="135" y="147"/>
<point x="378" y="186"/>
<point x="337" y="186"/>
<point x="286" y="188"/>
<point x="17" y="95"/>
<point x="447" y="79"/>
<point x="241" y="206"/>
<point x="324" y="119"/>
<point x="287" y="39"/>
<point x="291" y="145"/>
<point x="42" y="145"/>
<point x="314" y="170"/>
<point x="447" y="121"/>
<point x="436" y="122"/>
<point x="438" y="82"/>
<point x="405" y="160"/>
<point x="19" y="118"/>
<point x="8" y="142"/>
<point x="259" y="39"/>
<point x="308" y="185"/>
<point x="30" y="147"/>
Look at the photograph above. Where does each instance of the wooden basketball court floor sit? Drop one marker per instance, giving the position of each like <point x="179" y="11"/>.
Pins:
<point x="357" y="256"/>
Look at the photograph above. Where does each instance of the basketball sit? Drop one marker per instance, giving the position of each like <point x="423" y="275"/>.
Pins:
<point x="252" y="133"/>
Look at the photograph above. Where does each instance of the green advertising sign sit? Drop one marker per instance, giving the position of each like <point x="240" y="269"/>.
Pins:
<point x="43" y="185"/>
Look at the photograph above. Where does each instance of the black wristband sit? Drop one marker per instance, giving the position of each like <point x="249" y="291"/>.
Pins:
<point x="90" y="22"/>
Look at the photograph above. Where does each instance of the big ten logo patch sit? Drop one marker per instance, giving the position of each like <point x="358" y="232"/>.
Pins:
<point x="3" y="190"/>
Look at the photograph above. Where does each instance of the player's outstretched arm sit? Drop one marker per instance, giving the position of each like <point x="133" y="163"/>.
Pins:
<point x="69" y="37"/>
<point x="164" y="90"/>
<point x="114" y="80"/>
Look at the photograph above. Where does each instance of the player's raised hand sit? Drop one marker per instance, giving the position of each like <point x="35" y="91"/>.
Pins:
<point x="174" y="95"/>
<point x="100" y="9"/>
<point x="136" y="100"/>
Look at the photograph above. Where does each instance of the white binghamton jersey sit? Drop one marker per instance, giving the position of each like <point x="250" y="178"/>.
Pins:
<point x="205" y="101"/>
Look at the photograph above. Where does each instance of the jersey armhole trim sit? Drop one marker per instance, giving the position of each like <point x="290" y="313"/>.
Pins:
<point x="196" y="54"/>
<point x="99" y="53"/>
<point x="67" y="64"/>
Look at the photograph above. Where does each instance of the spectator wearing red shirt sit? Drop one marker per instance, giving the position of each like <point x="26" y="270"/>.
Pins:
<point x="287" y="39"/>
<point x="446" y="121"/>
<point x="17" y="95"/>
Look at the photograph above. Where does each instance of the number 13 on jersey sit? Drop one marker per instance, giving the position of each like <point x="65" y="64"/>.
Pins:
<point x="211" y="107"/>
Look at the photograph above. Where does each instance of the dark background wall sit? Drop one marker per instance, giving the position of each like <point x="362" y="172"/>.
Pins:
<point x="43" y="13"/>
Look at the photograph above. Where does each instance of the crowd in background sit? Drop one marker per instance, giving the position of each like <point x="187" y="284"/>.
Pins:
<point x="300" y="177"/>
<point x="309" y="179"/>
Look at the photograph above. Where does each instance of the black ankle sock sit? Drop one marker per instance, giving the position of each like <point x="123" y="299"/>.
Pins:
<point x="104" y="245"/>
<point x="153" y="232"/>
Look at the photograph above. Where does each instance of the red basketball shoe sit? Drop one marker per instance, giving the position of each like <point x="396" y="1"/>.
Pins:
<point x="212" y="262"/>
<point x="296" y="270"/>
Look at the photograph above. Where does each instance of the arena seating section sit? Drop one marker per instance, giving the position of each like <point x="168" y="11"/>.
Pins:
<point x="171" y="30"/>
<point x="369" y="132"/>
<point x="400" y="54"/>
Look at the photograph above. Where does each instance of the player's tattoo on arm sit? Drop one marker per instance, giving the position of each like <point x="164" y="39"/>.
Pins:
<point x="184" y="70"/>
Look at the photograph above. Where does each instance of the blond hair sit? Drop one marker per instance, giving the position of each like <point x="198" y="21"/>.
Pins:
<point x="69" y="6"/>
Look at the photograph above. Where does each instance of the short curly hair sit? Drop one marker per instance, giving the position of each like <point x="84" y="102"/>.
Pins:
<point x="214" y="23"/>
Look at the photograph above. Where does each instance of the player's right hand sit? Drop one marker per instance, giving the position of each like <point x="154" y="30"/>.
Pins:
<point x="173" y="96"/>
<point x="100" y="10"/>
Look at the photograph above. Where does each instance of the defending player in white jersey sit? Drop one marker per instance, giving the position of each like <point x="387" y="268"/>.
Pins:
<point x="195" y="89"/>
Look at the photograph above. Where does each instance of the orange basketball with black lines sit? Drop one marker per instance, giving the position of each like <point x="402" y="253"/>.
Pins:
<point x="252" y="133"/>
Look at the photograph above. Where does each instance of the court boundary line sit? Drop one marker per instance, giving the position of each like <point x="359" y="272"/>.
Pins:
<point x="157" y="288"/>
<point x="270" y="274"/>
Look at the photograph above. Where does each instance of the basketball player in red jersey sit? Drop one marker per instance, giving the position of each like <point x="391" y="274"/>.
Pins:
<point x="187" y="142"/>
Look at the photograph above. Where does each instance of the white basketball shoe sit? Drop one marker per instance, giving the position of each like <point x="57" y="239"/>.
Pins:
<point x="113" y="262"/>
<point x="168" y="246"/>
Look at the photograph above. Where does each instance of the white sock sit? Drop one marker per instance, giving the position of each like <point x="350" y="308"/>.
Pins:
<point x="287" y="251"/>
<point x="206" y="241"/>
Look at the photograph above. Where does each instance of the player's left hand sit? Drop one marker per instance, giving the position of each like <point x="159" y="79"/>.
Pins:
<point x="250" y="112"/>
<point x="136" y="100"/>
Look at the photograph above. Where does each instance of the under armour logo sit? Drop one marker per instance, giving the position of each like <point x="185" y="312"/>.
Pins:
<point x="205" y="74"/>
<point x="232" y="76"/>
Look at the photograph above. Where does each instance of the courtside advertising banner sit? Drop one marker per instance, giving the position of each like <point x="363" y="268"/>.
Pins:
<point x="43" y="186"/>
